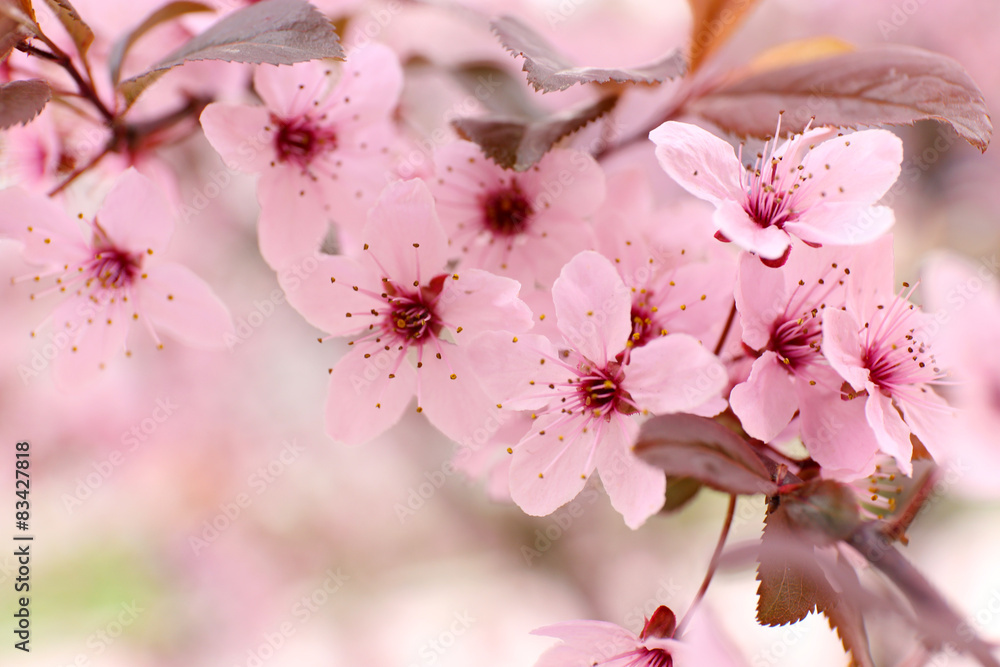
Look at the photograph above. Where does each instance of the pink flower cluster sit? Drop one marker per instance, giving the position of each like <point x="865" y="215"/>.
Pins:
<point x="537" y="317"/>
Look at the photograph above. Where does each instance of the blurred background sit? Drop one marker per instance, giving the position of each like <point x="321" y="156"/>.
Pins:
<point x="189" y="510"/>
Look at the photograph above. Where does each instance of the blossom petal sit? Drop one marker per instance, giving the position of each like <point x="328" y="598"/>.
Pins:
<point x="480" y="301"/>
<point x="761" y="298"/>
<point x="293" y="219"/>
<point x="833" y="168"/>
<point x="836" y="432"/>
<point x="363" y="400"/>
<point x="236" y="132"/>
<point x="136" y="215"/>
<point x="369" y="87"/>
<point x="565" y="182"/>
<point x="891" y="431"/>
<point x="933" y="421"/>
<point x="843" y="224"/>
<point x="590" y="635"/>
<point x="290" y="91"/>
<point x="636" y="488"/>
<point x="334" y="287"/>
<point x="593" y="307"/>
<point x="767" y="401"/>
<point x="737" y="226"/>
<point x="700" y="162"/>
<point x="457" y="407"/>
<point x="97" y="333"/>
<point x="49" y="235"/>
<point x="551" y="464"/>
<point x="674" y="373"/>
<point x="404" y="237"/>
<point x="510" y="371"/>
<point x="178" y="301"/>
<point x="842" y="347"/>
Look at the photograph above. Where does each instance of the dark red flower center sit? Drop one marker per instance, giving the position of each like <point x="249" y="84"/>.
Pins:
<point x="644" y="329"/>
<point x="507" y="212"/>
<point x="600" y="391"/>
<point x="115" y="268"/>
<point x="300" y="140"/>
<point x="797" y="342"/>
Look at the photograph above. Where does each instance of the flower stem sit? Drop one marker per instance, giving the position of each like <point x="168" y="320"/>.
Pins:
<point x="725" y="330"/>
<point x="712" y="566"/>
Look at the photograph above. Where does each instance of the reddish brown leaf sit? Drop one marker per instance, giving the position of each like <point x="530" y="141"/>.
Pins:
<point x="845" y="614"/>
<point x="825" y="509"/>
<point x="888" y="85"/>
<point x="163" y="14"/>
<point x="519" y="144"/>
<point x="17" y="22"/>
<point x="279" y="32"/>
<point x="713" y="21"/>
<point x="78" y="30"/>
<point x="20" y="101"/>
<point x="791" y="585"/>
<point x="698" y="447"/>
<point x="548" y="70"/>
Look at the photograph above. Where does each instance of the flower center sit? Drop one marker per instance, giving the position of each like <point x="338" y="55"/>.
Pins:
<point x="654" y="657"/>
<point x="300" y="140"/>
<point x="767" y="201"/>
<point x="797" y="341"/>
<point x="507" y="212"/>
<point x="600" y="391"/>
<point x="643" y="327"/>
<point x="113" y="268"/>
<point x="893" y="354"/>
<point x="411" y="320"/>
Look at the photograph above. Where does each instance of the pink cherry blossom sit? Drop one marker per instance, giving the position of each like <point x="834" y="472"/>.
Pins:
<point x="808" y="187"/>
<point x="603" y="644"/>
<point x="413" y="316"/>
<point x="879" y="344"/>
<point x="112" y="274"/>
<point x="672" y="290"/>
<point x="781" y="312"/>
<point x="320" y="144"/>
<point x="522" y="224"/>
<point x="585" y="397"/>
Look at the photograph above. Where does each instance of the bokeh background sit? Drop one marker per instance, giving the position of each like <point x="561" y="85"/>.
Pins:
<point x="190" y="511"/>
